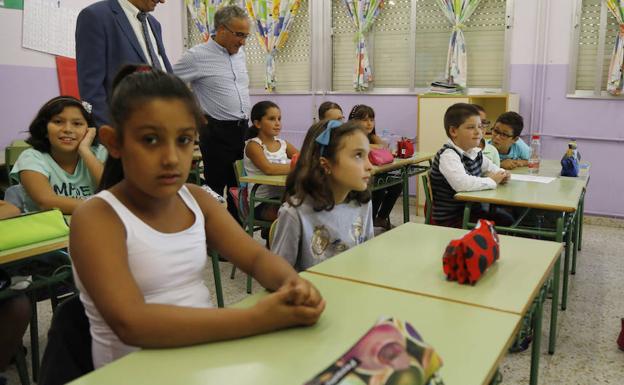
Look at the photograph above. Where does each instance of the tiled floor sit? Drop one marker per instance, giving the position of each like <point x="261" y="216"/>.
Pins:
<point x="586" y="350"/>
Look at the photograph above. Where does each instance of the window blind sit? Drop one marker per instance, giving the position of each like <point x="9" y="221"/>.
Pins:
<point x="588" y="42"/>
<point x="485" y="40"/>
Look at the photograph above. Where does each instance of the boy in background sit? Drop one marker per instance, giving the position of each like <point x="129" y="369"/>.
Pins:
<point x="513" y="151"/>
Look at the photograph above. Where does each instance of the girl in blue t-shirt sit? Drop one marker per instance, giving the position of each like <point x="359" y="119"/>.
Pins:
<point x="65" y="163"/>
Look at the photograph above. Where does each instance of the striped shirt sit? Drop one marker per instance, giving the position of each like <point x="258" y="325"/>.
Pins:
<point x="219" y="80"/>
<point x="456" y="170"/>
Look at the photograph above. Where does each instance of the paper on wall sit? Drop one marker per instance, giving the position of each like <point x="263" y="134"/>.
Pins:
<point x="49" y="27"/>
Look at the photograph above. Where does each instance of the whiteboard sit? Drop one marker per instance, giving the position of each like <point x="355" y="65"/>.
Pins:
<point x="49" y="26"/>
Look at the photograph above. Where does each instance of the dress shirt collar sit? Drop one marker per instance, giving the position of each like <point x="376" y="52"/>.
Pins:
<point x="472" y="153"/>
<point x="129" y="8"/>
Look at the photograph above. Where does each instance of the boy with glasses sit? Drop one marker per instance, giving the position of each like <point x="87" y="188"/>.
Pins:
<point x="513" y="151"/>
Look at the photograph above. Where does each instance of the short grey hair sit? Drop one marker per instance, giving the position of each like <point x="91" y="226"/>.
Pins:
<point x="224" y="15"/>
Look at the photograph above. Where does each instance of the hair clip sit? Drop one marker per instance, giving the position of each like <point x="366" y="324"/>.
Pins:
<point x="324" y="137"/>
<point x="87" y="106"/>
<point x="353" y="110"/>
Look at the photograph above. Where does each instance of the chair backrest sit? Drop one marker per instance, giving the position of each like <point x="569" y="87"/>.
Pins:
<point x="11" y="153"/>
<point x="428" y="197"/>
<point x="271" y="234"/>
<point x="68" y="353"/>
<point x="239" y="171"/>
<point x="239" y="194"/>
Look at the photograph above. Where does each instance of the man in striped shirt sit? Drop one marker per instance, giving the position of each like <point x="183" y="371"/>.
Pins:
<point x="218" y="75"/>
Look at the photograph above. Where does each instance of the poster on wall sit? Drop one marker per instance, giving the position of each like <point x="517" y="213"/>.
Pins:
<point x="14" y="4"/>
<point x="49" y="27"/>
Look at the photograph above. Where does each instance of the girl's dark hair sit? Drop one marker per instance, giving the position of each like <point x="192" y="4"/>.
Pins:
<point x="257" y="113"/>
<point x="133" y="86"/>
<point x="326" y="106"/>
<point x="308" y="180"/>
<point x="38" y="128"/>
<point x="360" y="112"/>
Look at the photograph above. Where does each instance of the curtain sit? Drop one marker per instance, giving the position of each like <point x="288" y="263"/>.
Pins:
<point x="615" y="81"/>
<point x="202" y="12"/>
<point x="457" y="12"/>
<point x="363" y="13"/>
<point x="273" y="20"/>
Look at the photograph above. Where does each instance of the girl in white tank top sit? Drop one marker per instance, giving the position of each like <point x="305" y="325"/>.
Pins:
<point x="139" y="246"/>
<point x="266" y="154"/>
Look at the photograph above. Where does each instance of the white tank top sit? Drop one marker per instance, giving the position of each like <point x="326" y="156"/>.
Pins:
<point x="167" y="267"/>
<point x="280" y="156"/>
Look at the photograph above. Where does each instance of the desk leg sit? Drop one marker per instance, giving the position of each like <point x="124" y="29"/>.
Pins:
<point x="566" y="263"/>
<point x="217" y="277"/>
<point x="466" y="219"/>
<point x="581" y="213"/>
<point x="250" y="222"/>
<point x="537" y="338"/>
<point x="405" y="181"/>
<point x="577" y="238"/>
<point x="555" y="292"/>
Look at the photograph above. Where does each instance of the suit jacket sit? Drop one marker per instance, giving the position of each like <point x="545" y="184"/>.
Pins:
<point x="105" y="41"/>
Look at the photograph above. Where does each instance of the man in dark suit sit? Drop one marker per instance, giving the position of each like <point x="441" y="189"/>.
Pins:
<point x="109" y="34"/>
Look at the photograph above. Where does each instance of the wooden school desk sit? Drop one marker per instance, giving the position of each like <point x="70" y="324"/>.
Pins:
<point x="409" y="259"/>
<point x="397" y="172"/>
<point x="470" y="340"/>
<point x="562" y="196"/>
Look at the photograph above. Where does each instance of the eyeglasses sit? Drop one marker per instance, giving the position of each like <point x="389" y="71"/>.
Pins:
<point x="498" y="132"/>
<point x="485" y="123"/>
<point x="240" y="35"/>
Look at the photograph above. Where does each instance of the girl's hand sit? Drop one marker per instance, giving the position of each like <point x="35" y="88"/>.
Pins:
<point x="304" y="293"/>
<point x="87" y="140"/>
<point x="277" y="310"/>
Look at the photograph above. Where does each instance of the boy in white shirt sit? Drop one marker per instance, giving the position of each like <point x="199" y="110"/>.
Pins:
<point x="461" y="166"/>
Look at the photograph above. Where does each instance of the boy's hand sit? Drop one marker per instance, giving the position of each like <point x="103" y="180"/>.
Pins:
<point x="508" y="164"/>
<point x="506" y="178"/>
<point x="498" y="176"/>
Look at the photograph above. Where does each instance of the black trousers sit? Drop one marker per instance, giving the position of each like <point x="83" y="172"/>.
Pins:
<point x="384" y="200"/>
<point x="221" y="144"/>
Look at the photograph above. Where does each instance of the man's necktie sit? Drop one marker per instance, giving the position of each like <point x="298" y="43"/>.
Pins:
<point x="142" y="16"/>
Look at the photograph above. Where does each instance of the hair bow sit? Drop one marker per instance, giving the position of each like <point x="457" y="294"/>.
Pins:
<point x="324" y="137"/>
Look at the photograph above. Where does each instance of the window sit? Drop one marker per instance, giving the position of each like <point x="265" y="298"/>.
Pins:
<point x="485" y="41"/>
<point x="292" y="64"/>
<point x="388" y="46"/>
<point x="595" y="31"/>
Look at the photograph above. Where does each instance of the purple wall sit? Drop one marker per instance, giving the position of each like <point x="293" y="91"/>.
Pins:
<point x="24" y="90"/>
<point x="598" y="126"/>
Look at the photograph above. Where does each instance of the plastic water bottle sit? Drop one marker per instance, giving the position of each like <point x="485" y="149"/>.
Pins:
<point x="572" y="147"/>
<point x="386" y="137"/>
<point x="534" y="159"/>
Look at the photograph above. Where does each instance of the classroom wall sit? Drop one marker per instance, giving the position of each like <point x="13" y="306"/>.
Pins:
<point x="538" y="72"/>
<point x="29" y="79"/>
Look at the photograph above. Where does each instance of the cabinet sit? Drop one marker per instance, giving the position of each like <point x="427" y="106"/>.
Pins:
<point x="430" y="133"/>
